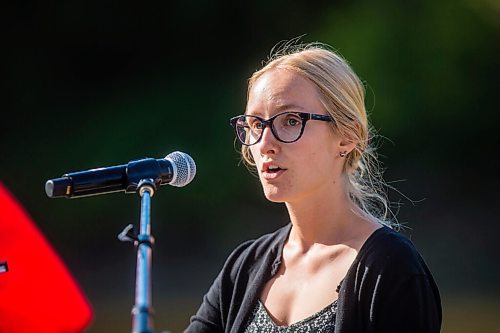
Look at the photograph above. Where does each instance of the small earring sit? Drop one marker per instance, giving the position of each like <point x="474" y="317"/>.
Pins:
<point x="342" y="154"/>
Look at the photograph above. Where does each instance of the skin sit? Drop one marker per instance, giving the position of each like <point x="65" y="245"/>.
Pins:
<point x="326" y="232"/>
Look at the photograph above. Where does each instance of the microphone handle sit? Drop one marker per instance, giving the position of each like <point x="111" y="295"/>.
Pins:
<point x="83" y="183"/>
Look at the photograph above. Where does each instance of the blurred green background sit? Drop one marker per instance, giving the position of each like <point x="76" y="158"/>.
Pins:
<point x="90" y="84"/>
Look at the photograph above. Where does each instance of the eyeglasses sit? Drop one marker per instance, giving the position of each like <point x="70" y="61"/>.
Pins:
<point x="286" y="127"/>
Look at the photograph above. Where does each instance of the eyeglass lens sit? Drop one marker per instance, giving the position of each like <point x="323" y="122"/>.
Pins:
<point x="287" y="127"/>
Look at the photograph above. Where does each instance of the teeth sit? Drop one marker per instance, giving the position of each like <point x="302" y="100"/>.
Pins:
<point x="273" y="167"/>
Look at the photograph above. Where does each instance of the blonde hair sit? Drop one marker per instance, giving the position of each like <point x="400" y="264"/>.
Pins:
<point x="343" y="97"/>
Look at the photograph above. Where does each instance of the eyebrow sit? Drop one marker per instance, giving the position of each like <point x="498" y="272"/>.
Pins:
<point x="280" y="109"/>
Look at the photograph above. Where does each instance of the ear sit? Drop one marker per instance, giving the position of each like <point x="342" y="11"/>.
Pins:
<point x="346" y="145"/>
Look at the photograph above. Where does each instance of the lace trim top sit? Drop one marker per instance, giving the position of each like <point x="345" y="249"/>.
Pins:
<point x="322" y="321"/>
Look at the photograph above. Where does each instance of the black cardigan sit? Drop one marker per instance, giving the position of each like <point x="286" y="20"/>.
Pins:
<point x="388" y="287"/>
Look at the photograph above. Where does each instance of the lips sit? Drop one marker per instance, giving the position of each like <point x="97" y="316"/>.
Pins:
<point x="271" y="170"/>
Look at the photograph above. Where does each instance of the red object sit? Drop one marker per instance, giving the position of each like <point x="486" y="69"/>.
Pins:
<point x="37" y="292"/>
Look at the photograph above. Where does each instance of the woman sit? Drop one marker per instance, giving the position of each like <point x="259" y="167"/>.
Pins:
<point x="338" y="266"/>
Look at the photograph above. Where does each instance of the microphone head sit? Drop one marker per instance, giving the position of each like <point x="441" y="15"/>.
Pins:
<point x="184" y="168"/>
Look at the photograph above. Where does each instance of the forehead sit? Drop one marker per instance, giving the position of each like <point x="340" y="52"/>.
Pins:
<point x="280" y="90"/>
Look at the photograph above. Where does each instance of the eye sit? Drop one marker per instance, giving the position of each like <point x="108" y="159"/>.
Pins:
<point x="255" y="125"/>
<point x="292" y="120"/>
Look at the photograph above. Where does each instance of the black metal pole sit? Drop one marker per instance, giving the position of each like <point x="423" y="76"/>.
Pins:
<point x="142" y="312"/>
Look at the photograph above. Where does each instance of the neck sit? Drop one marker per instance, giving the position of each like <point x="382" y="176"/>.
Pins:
<point x="329" y="219"/>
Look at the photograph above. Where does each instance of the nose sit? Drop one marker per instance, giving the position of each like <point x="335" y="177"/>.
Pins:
<point x="268" y="143"/>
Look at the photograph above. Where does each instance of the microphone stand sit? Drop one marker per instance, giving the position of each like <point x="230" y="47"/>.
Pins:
<point x="142" y="176"/>
<point x="142" y="312"/>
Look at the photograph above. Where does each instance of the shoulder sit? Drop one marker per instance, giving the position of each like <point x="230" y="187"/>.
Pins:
<point x="387" y="248"/>
<point x="387" y="263"/>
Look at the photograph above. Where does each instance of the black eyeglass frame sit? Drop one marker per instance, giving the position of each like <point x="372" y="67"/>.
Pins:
<point x="269" y="123"/>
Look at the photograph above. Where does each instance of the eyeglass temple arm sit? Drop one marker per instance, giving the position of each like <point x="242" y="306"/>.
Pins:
<point x="322" y="117"/>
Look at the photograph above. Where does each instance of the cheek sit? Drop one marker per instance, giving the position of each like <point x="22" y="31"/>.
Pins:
<point x="254" y="154"/>
<point x="318" y="166"/>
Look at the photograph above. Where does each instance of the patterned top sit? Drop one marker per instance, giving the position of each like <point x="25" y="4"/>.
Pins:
<point x="320" y="322"/>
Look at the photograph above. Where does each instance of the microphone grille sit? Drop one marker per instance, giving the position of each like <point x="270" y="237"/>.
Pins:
<point x="184" y="168"/>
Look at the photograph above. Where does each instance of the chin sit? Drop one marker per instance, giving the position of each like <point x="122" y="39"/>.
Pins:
<point x="274" y="195"/>
<point x="273" y="199"/>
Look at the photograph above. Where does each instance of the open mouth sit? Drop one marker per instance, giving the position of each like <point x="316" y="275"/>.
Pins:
<point x="271" y="171"/>
<point x="272" y="168"/>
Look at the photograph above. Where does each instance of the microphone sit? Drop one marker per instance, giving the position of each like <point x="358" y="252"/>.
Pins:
<point x="176" y="169"/>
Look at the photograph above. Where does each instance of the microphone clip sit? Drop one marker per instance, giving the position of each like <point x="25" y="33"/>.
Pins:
<point x="143" y="172"/>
